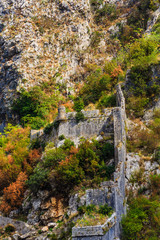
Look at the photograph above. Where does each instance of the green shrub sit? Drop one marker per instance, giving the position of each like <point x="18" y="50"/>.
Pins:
<point x="105" y="210"/>
<point x="33" y="106"/>
<point x="142" y="88"/>
<point x="9" y="228"/>
<point x="67" y="144"/>
<point x="88" y="159"/>
<point x="54" y="156"/>
<point x="61" y="137"/>
<point x="87" y="209"/>
<point x="48" y="128"/>
<point x="106" y="151"/>
<point x="90" y="208"/>
<point x="105" y="172"/>
<point x="78" y="104"/>
<point x="96" y="84"/>
<point x="82" y="209"/>
<point x="36" y="144"/>
<point x="79" y="117"/>
<point x="38" y="179"/>
<point x="107" y="101"/>
<point x="142" y="217"/>
<point x="143" y="52"/>
<point x="69" y="174"/>
<point x="137" y="105"/>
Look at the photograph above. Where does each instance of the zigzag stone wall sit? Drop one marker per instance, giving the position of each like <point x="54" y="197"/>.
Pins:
<point x="112" y="192"/>
<point x="110" y="122"/>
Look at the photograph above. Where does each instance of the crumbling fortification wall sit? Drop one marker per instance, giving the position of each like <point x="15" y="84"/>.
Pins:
<point x="94" y="123"/>
<point x="110" y="122"/>
<point x="111" y="192"/>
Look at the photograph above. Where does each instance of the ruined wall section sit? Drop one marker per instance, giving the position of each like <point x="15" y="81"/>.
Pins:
<point x="116" y="189"/>
<point x="111" y="122"/>
<point x="93" y="125"/>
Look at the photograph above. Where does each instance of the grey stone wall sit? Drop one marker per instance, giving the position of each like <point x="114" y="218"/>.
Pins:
<point x="93" y="125"/>
<point x="119" y="117"/>
<point x="110" y="192"/>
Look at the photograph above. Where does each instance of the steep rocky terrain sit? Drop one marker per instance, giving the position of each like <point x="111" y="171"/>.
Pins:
<point x="41" y="40"/>
<point x="46" y="40"/>
<point x="58" y="166"/>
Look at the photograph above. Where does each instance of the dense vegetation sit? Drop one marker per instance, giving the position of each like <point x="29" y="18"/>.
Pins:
<point x="68" y="166"/>
<point x="142" y="220"/>
<point x="17" y="161"/>
<point x="36" y="106"/>
<point x="145" y="140"/>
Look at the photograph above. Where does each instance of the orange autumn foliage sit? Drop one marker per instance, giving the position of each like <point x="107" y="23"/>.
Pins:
<point x="34" y="156"/>
<point x="116" y="72"/>
<point x="13" y="195"/>
<point x="65" y="162"/>
<point x="69" y="105"/>
<point x="15" y="154"/>
<point x="10" y="159"/>
<point x="73" y="150"/>
<point x="70" y="158"/>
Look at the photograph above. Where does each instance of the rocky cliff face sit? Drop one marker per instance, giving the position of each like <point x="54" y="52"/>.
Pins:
<point x="45" y="40"/>
<point x="40" y="40"/>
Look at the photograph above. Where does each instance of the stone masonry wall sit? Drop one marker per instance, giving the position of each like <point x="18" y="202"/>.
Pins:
<point x="93" y="125"/>
<point x="112" y="193"/>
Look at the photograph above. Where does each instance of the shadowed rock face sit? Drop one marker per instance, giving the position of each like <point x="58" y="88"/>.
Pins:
<point x="9" y="77"/>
